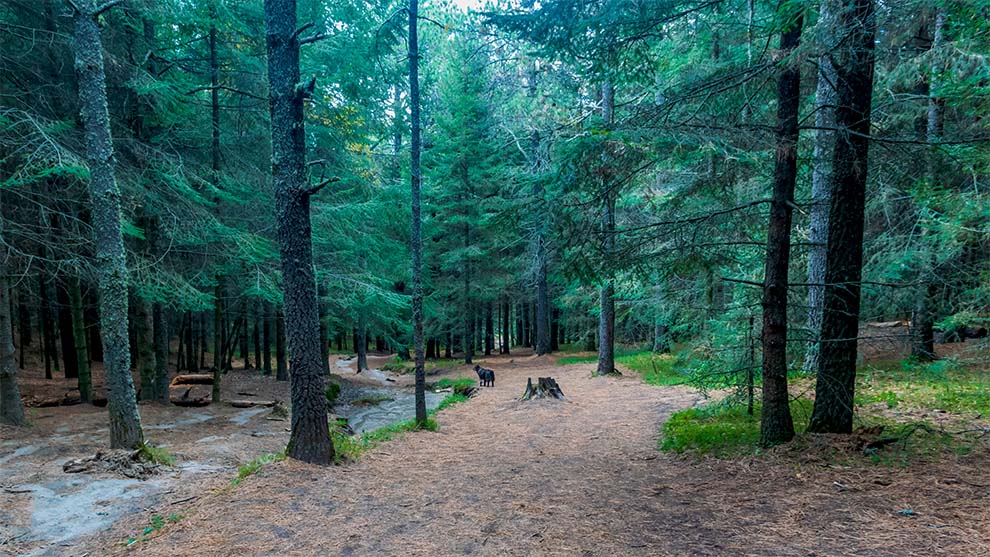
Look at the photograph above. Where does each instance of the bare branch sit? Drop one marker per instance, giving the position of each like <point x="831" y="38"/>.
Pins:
<point x="316" y="188"/>
<point x="106" y="6"/>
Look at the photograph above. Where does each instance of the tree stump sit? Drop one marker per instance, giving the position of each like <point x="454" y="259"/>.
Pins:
<point x="545" y="387"/>
<point x="193" y="389"/>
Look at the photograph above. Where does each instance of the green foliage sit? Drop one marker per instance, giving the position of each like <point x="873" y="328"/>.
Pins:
<point x="450" y="400"/>
<point x="721" y="430"/>
<point x="942" y="385"/>
<point x="656" y="369"/>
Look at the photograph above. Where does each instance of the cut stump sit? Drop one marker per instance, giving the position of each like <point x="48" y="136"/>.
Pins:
<point x="545" y="387"/>
<point x="193" y="389"/>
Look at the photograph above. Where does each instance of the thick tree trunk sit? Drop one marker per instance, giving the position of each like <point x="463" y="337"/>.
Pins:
<point x="310" y="437"/>
<point x="606" y="314"/>
<point x="834" y="390"/>
<point x="821" y="178"/>
<point x="79" y="334"/>
<point x="416" y="236"/>
<point x="111" y="259"/>
<point x="777" y="425"/>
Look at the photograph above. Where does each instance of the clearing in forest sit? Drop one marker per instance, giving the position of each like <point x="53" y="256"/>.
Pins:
<point x="575" y="477"/>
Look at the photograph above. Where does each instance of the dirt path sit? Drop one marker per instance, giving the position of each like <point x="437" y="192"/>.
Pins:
<point x="582" y="477"/>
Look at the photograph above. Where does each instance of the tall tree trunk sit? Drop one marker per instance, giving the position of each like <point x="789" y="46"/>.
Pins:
<point x="281" y="369"/>
<point x="79" y="334"/>
<point x="70" y="364"/>
<point x="145" y="350"/>
<point x="24" y="327"/>
<point x="606" y="314"/>
<point x="11" y="407"/>
<point x="160" y="337"/>
<point x="111" y="259"/>
<point x="45" y="311"/>
<point x="310" y="437"/>
<point x="834" y="389"/>
<point x="416" y="236"/>
<point x="923" y="314"/>
<point x="777" y="425"/>
<point x="256" y="333"/>
<point x="489" y="329"/>
<point x="361" y="342"/>
<point x="821" y="178"/>
<point x="190" y="363"/>
<point x="267" y="338"/>
<point x="506" y="332"/>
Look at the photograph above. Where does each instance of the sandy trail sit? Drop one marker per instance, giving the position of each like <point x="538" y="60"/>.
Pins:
<point x="581" y="477"/>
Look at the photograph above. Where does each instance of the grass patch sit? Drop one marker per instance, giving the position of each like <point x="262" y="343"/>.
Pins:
<point x="656" y="369"/>
<point x="402" y="367"/>
<point x="940" y="385"/>
<point x="254" y="466"/>
<point x="156" y="455"/>
<point x="450" y="400"/>
<point x="721" y="430"/>
<point x="460" y="385"/>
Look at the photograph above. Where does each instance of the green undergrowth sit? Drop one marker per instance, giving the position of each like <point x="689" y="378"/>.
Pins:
<point x="943" y="385"/>
<point x="656" y="369"/>
<point x="720" y="429"/>
<point x="894" y="405"/>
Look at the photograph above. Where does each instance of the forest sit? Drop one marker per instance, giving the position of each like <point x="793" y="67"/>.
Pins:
<point x="500" y="277"/>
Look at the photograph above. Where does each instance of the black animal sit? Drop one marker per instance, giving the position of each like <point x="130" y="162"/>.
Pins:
<point x="485" y="376"/>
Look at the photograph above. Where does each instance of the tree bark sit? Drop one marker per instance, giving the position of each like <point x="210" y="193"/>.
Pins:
<point x="834" y="389"/>
<point x="11" y="407"/>
<point x="821" y="179"/>
<point x="111" y="259"/>
<point x="416" y="236"/>
<point x="70" y="364"/>
<point x="361" y="342"/>
<point x="267" y="338"/>
<point x="310" y="437"/>
<point x="145" y="350"/>
<point x="79" y="334"/>
<point x="923" y="314"/>
<point x="606" y="315"/>
<point x="777" y="425"/>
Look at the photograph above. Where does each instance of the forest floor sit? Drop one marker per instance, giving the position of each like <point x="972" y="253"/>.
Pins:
<point x="500" y="477"/>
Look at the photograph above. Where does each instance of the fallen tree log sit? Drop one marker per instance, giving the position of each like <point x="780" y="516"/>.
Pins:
<point x="251" y="403"/>
<point x="193" y="379"/>
<point x="545" y="387"/>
